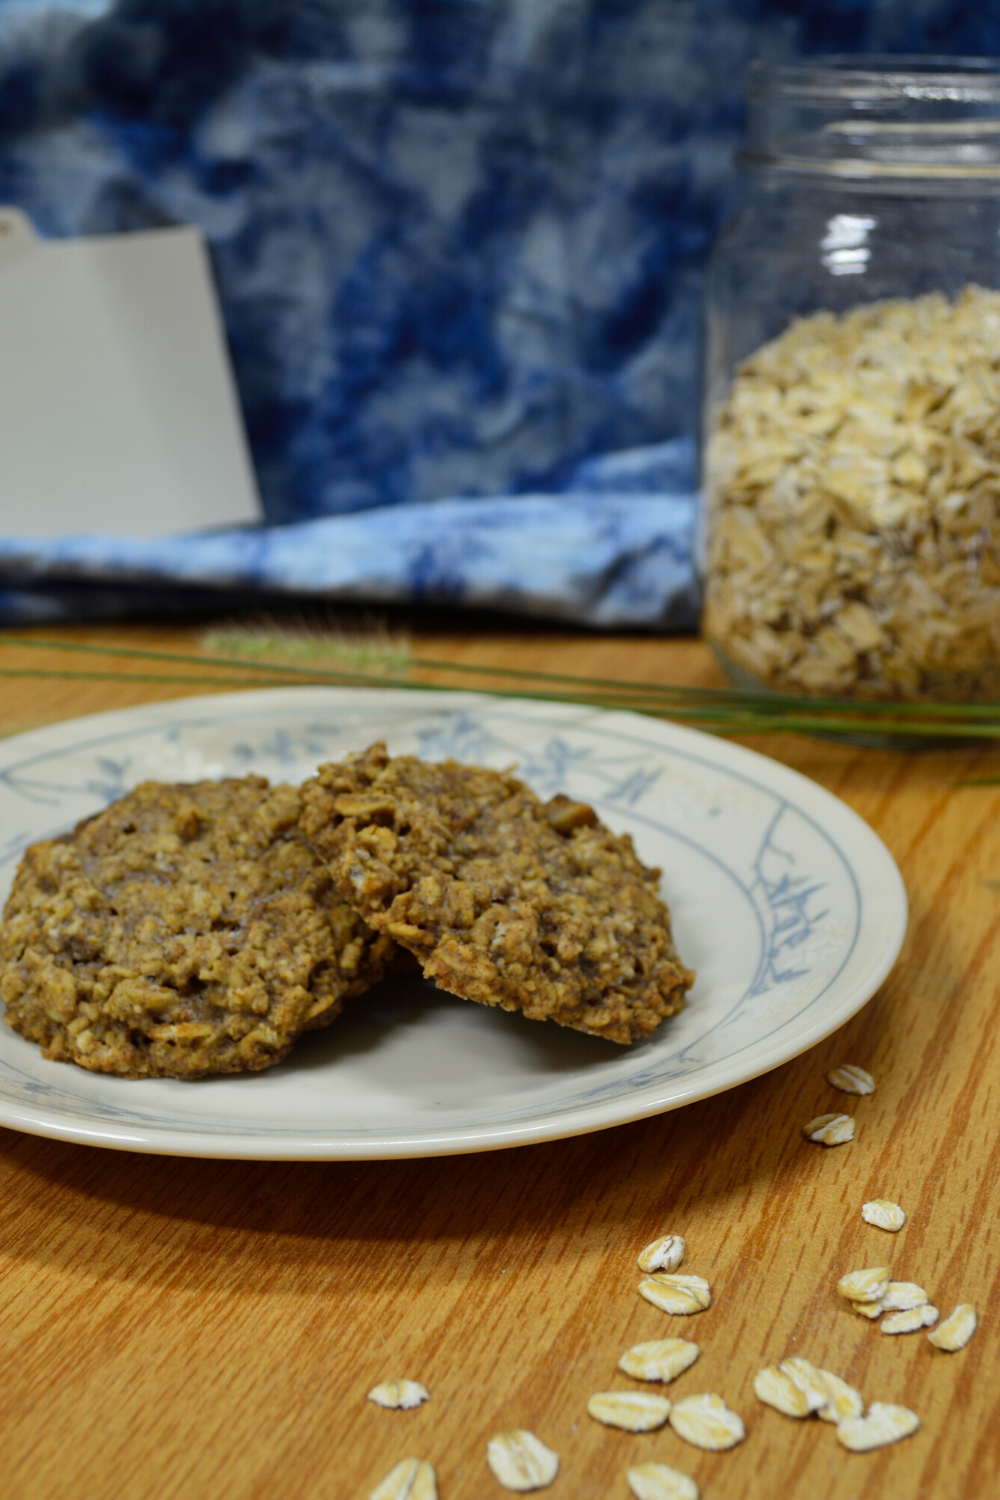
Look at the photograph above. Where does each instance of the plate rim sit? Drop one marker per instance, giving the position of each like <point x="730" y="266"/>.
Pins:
<point x="749" y="765"/>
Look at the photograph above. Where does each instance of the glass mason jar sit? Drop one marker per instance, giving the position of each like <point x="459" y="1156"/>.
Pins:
<point x="849" y="540"/>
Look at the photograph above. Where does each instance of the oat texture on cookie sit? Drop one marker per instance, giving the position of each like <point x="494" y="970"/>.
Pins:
<point x="504" y="899"/>
<point x="185" y="930"/>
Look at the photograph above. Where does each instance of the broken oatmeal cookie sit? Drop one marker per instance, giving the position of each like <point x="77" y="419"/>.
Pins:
<point x="185" y="930"/>
<point x="506" y="900"/>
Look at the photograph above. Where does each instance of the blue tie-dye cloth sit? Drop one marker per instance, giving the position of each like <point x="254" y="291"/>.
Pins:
<point x="458" y="246"/>
<point x="611" y="550"/>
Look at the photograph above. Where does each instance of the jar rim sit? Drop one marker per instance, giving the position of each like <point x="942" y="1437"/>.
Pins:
<point x="878" y="77"/>
<point x="877" y="119"/>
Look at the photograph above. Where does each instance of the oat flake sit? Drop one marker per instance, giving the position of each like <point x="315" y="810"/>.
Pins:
<point x="808" y="1379"/>
<point x="660" y="1482"/>
<point x="681" y="1295"/>
<point x="707" y="1422"/>
<point x="775" y="1388"/>
<point x="520" y="1461"/>
<point x="399" y="1395"/>
<point x="910" y="1321"/>
<point x="830" y="1130"/>
<point x="900" y="1296"/>
<point x="869" y="1285"/>
<point x="883" y="1214"/>
<point x="850" y="1079"/>
<point x="844" y="1400"/>
<point x="659" y="1359"/>
<point x="410" y="1479"/>
<point x="884" y="1424"/>
<point x="815" y="1384"/>
<point x="663" y="1254"/>
<point x="956" y="1330"/>
<point x="632" y="1411"/>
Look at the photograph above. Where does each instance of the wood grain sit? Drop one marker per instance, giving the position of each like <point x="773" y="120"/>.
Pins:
<point x="182" y="1329"/>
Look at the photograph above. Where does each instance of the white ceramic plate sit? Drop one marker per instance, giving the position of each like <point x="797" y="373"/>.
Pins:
<point x="787" y="904"/>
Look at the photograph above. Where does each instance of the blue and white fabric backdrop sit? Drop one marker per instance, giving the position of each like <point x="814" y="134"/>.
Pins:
<point x="458" y="245"/>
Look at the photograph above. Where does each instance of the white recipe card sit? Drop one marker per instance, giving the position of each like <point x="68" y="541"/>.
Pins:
<point x="118" y="409"/>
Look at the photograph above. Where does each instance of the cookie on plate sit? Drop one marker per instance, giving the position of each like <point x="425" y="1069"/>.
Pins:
<point x="506" y="900"/>
<point x="185" y="930"/>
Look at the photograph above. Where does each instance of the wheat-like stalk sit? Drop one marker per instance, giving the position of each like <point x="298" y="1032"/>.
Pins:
<point x="267" y="653"/>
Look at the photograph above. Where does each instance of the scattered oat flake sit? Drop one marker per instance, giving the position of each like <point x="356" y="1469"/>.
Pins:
<point x="663" y="1254"/>
<point x="844" y="1400"/>
<point x="869" y="1285"/>
<point x="659" y="1359"/>
<point x="884" y="1424"/>
<point x="900" y="1296"/>
<point x="830" y="1130"/>
<point x="707" y="1422"/>
<point x="850" y="1079"/>
<point x="956" y="1330"/>
<point x="883" y="1214"/>
<point x="810" y="1381"/>
<point x="910" y="1321"/>
<point x="775" y="1388"/>
<point x="520" y="1461"/>
<point x="632" y="1411"/>
<point x="870" y="1310"/>
<point x="411" y="1479"/>
<point x="660" y="1482"/>
<point x="399" y="1395"/>
<point x="676" y="1294"/>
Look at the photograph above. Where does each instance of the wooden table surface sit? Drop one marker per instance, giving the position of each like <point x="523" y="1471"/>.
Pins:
<point x="187" y="1328"/>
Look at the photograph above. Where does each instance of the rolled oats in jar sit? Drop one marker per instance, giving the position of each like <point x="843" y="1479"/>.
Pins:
<point x="850" y="539"/>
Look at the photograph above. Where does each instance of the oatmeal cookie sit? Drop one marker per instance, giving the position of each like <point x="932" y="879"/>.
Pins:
<point x="185" y="930"/>
<point x="506" y="900"/>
